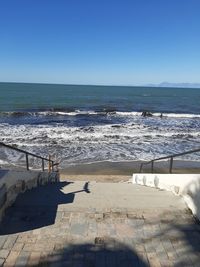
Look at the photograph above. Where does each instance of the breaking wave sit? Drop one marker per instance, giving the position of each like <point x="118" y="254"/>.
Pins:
<point x="93" y="112"/>
<point x="133" y="140"/>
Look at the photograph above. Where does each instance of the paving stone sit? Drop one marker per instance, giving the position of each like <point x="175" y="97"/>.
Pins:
<point x="99" y="217"/>
<point x="22" y="258"/>
<point x="9" y="243"/>
<point x="11" y="259"/>
<point x="168" y="263"/>
<point x="34" y="259"/>
<point x="2" y="262"/>
<point x="28" y="247"/>
<point x="149" y="247"/>
<point x="78" y="229"/>
<point x="59" y="215"/>
<point x="153" y="260"/>
<point x="139" y="248"/>
<point x="2" y="241"/>
<point x="172" y="255"/>
<point x="4" y="253"/>
<point x="36" y="231"/>
<point x="23" y="238"/>
<point x="123" y="230"/>
<point x="18" y="246"/>
<point x="40" y="247"/>
<point x="102" y="229"/>
<point x="44" y="256"/>
<point x="31" y="240"/>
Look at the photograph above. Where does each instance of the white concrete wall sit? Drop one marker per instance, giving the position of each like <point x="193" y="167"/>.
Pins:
<point x="185" y="185"/>
<point x="13" y="183"/>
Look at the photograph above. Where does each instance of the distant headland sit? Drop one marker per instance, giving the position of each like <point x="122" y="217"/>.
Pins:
<point x="179" y="85"/>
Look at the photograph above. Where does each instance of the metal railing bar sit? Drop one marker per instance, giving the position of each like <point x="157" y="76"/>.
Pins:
<point x="27" y="163"/>
<point x="23" y="151"/>
<point x="167" y="157"/>
<point x="51" y="162"/>
<point x="43" y="164"/>
<point x="175" y="155"/>
<point x="171" y="165"/>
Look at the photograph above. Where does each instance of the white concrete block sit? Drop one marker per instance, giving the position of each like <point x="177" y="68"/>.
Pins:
<point x="185" y="185"/>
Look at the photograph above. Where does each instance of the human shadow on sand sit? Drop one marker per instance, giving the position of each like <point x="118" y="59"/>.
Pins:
<point x="37" y="208"/>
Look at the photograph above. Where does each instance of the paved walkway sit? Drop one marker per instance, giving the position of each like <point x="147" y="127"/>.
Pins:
<point x="99" y="224"/>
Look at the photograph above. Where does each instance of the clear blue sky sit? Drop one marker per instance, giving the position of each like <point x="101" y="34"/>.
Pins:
<point x="100" y="42"/>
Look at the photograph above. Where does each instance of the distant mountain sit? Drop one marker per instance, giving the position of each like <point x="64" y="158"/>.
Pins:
<point x="180" y="85"/>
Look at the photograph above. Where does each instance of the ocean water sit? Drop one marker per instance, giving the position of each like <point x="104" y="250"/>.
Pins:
<point x="81" y="124"/>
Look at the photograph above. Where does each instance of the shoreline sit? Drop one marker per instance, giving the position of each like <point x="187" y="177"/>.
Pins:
<point x="123" y="170"/>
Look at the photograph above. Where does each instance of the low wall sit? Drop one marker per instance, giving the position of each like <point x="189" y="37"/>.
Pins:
<point x="185" y="185"/>
<point x="13" y="183"/>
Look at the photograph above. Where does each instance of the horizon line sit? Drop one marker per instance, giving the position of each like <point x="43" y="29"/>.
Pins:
<point x="170" y="85"/>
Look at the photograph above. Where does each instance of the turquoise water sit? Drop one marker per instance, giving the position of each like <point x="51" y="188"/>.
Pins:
<point x="18" y="97"/>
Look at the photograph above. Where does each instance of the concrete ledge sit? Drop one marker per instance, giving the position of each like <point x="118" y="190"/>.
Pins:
<point x="13" y="183"/>
<point x="185" y="185"/>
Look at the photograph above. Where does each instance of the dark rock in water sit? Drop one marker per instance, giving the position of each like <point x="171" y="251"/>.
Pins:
<point x="89" y="129"/>
<point x="111" y="112"/>
<point x="109" y="109"/>
<point x="116" y="126"/>
<point x="147" y="114"/>
<point x="19" y="114"/>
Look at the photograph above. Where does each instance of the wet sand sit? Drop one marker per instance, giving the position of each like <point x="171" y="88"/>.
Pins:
<point x="122" y="171"/>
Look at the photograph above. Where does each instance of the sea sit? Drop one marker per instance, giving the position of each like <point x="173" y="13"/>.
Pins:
<point x="87" y="123"/>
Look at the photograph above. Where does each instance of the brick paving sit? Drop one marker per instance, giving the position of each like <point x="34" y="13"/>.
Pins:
<point x="41" y="235"/>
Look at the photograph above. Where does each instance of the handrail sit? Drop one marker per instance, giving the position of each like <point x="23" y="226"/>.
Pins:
<point x="51" y="162"/>
<point x="167" y="157"/>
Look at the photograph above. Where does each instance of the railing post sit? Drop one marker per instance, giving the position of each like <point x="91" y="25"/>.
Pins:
<point x="152" y="166"/>
<point x="52" y="167"/>
<point x="42" y="164"/>
<point x="141" y="167"/>
<point x="27" y="163"/>
<point x="49" y="163"/>
<point x="171" y="165"/>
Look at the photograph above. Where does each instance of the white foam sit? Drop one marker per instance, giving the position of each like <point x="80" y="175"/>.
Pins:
<point x="91" y="112"/>
<point x="174" y="115"/>
<point x="158" y="114"/>
<point x="120" y="113"/>
<point x="3" y="162"/>
<point x="134" y="140"/>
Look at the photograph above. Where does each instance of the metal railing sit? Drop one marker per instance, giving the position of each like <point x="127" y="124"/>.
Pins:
<point x="171" y="157"/>
<point x="27" y="154"/>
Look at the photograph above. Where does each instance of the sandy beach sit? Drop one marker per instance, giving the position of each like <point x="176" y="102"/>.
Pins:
<point x="107" y="171"/>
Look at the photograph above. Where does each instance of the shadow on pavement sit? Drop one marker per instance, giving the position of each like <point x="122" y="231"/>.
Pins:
<point x="102" y="253"/>
<point x="177" y="237"/>
<point x="36" y="208"/>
